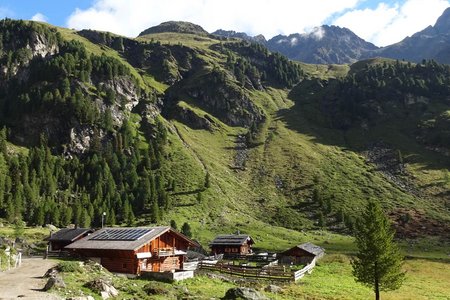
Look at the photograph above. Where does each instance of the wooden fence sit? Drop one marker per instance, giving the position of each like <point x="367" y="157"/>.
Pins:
<point x="247" y="271"/>
<point x="277" y="273"/>
<point x="252" y="258"/>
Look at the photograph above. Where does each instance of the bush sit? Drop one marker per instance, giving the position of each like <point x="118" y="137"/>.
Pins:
<point x="70" y="267"/>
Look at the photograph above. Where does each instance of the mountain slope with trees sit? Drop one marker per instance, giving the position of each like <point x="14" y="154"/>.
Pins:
<point x="221" y="133"/>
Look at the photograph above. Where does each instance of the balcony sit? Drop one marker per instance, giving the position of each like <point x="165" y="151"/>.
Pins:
<point x="163" y="252"/>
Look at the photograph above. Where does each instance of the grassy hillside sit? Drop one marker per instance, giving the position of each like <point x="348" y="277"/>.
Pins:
<point x="284" y="164"/>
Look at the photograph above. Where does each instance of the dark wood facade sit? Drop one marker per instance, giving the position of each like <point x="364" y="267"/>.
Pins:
<point x="58" y="240"/>
<point x="163" y="253"/>
<point x="232" y="244"/>
<point x="231" y="249"/>
<point x="302" y="254"/>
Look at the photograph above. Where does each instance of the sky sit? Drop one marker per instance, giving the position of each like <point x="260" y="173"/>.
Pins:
<point x="380" y="22"/>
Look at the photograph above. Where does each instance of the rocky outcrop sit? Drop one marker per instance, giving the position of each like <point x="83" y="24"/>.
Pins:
<point x="193" y="120"/>
<point x="244" y="294"/>
<point x="240" y="35"/>
<point x="226" y="101"/>
<point x="103" y="287"/>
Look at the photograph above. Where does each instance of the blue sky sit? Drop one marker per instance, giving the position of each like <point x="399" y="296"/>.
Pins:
<point x="380" y="22"/>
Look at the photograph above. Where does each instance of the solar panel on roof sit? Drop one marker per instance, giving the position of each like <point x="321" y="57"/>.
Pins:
<point x="121" y="234"/>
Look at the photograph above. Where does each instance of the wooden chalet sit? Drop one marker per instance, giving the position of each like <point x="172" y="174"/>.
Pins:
<point x="237" y="244"/>
<point x="302" y="254"/>
<point x="60" y="239"/>
<point x="135" y="250"/>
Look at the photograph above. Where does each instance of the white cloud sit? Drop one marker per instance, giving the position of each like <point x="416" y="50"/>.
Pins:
<point x="39" y="17"/>
<point x="390" y="23"/>
<point x="318" y="33"/>
<point x="269" y="17"/>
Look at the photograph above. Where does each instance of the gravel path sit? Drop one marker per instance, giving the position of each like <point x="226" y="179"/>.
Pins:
<point x="26" y="281"/>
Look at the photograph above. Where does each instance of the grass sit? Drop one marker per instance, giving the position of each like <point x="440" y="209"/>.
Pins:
<point x="190" y="40"/>
<point x="332" y="279"/>
<point x="31" y="234"/>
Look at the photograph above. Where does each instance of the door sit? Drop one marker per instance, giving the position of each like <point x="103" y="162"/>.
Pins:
<point x="144" y="264"/>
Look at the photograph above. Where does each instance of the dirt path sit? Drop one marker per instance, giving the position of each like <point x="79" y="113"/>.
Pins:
<point x="26" y="281"/>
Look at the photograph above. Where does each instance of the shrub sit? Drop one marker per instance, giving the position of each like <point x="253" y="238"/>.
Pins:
<point x="70" y="267"/>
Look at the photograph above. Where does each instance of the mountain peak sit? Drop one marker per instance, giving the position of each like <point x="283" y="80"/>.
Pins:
<point x="323" y="44"/>
<point x="177" y="27"/>
<point x="240" y="35"/>
<point x="443" y="22"/>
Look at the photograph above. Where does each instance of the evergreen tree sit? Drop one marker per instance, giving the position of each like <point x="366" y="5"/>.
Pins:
<point x="173" y="224"/>
<point x="379" y="261"/>
<point x="186" y="229"/>
<point x="207" y="181"/>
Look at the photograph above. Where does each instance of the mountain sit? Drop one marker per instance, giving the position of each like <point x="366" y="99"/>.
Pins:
<point x="177" y="27"/>
<point x="324" y="45"/>
<point x="431" y="43"/>
<point x="240" y="35"/>
<point x="223" y="134"/>
<point x="336" y="45"/>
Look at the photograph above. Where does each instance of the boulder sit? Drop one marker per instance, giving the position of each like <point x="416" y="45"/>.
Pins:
<point x="54" y="282"/>
<point x="244" y="294"/>
<point x="273" y="289"/>
<point x="52" y="272"/>
<point x="103" y="287"/>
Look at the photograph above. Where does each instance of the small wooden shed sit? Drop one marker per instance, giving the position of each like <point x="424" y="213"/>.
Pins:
<point x="60" y="239"/>
<point x="302" y="254"/>
<point x="135" y="250"/>
<point x="238" y="244"/>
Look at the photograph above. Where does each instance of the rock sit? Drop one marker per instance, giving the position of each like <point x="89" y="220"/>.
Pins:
<point x="273" y="289"/>
<point x="103" y="287"/>
<point x="81" y="298"/>
<point x="52" y="272"/>
<point x="244" y="293"/>
<point x="54" y="282"/>
<point x="19" y="240"/>
<point x="51" y="227"/>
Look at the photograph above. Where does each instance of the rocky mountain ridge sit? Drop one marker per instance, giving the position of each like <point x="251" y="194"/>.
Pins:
<point x="335" y="45"/>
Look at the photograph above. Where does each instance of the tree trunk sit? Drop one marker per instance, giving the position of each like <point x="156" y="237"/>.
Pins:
<point x="377" y="285"/>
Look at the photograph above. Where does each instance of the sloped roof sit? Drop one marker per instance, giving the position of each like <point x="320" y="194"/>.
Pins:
<point x="232" y="239"/>
<point x="68" y="234"/>
<point x="311" y="248"/>
<point x="97" y="240"/>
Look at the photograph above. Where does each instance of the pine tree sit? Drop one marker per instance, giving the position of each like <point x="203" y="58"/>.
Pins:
<point x="379" y="261"/>
<point x="207" y="181"/>
<point x="186" y="229"/>
<point x="173" y="224"/>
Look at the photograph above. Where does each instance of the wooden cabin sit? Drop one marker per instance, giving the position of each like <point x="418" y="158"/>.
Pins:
<point x="66" y="236"/>
<point x="302" y="254"/>
<point x="135" y="250"/>
<point x="238" y="244"/>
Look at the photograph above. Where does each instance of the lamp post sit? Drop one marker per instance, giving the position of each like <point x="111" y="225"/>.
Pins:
<point x="103" y="218"/>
